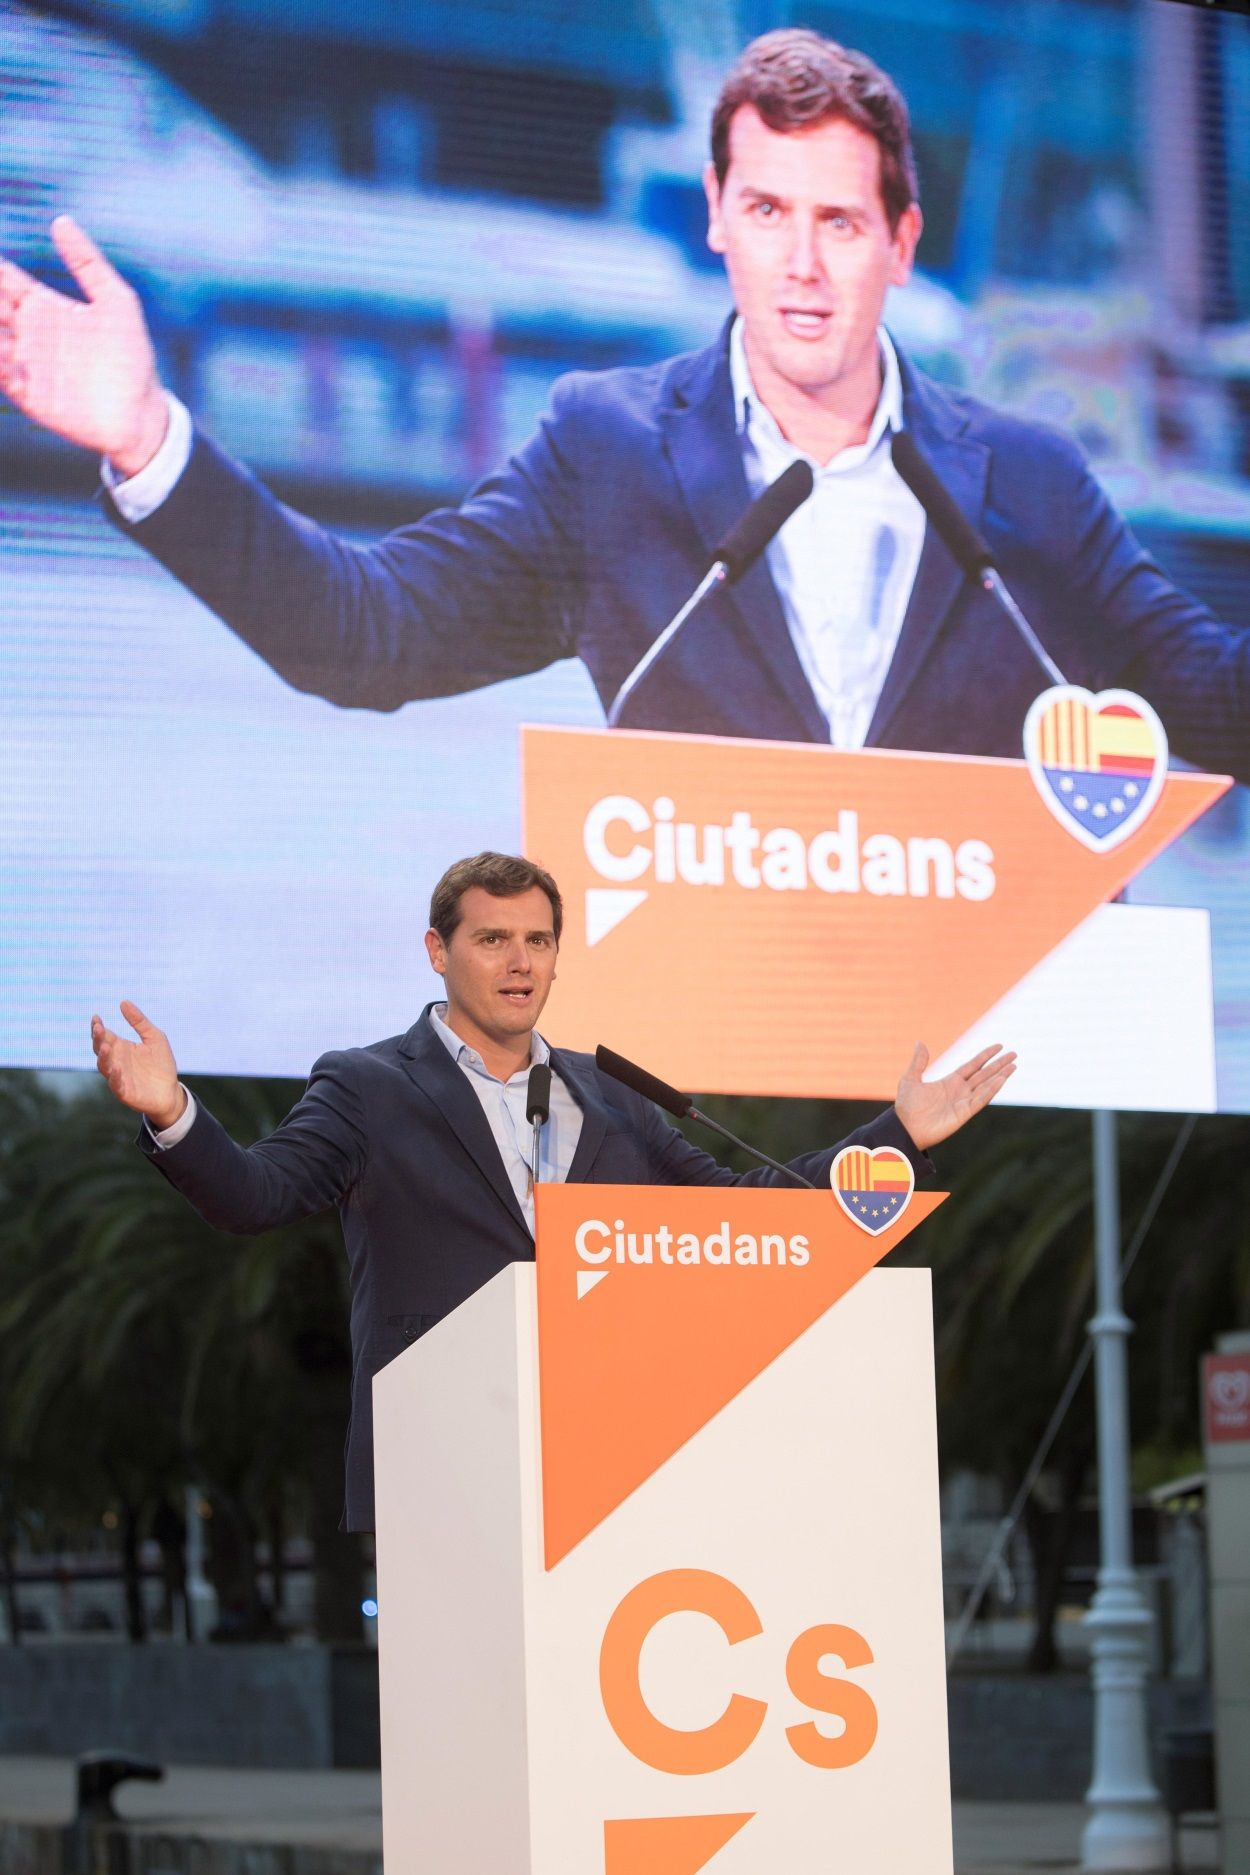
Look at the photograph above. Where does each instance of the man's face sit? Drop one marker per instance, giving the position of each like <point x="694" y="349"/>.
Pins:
<point x="499" y="964"/>
<point x="808" y="248"/>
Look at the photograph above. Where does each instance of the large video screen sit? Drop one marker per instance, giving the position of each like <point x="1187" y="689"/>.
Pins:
<point x="250" y="712"/>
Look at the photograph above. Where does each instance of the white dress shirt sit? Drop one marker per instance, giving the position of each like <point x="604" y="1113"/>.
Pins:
<point x="845" y="562"/>
<point x="503" y="1103"/>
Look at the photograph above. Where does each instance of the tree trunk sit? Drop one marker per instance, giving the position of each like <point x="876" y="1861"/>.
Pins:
<point x="231" y="1567"/>
<point x="324" y="1362"/>
<point x="8" y="1563"/>
<point x="136" y="1618"/>
<point x="337" y="1557"/>
<point x="170" y="1531"/>
<point x="275" y="1520"/>
<point x="1050" y="1539"/>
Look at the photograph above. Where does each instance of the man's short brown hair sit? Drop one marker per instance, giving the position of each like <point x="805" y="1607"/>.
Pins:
<point x="503" y="875"/>
<point x="797" y="79"/>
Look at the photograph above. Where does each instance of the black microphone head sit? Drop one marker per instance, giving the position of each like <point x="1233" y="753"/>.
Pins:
<point x="648" y="1085"/>
<point x="538" y="1092"/>
<point x="967" y="546"/>
<point x="766" y="516"/>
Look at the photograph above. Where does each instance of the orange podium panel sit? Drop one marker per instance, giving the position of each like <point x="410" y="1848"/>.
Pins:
<point x="659" y="1566"/>
<point x="777" y="918"/>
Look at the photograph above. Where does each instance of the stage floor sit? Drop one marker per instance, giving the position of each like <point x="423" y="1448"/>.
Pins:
<point x="341" y="1811"/>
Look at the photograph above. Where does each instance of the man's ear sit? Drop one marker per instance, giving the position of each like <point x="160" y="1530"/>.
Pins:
<point x="436" y="951"/>
<point x="715" y="220"/>
<point x="906" y="239"/>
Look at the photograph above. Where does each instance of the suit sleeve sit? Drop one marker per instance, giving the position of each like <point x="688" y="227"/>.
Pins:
<point x="1192" y="667"/>
<point x="307" y="1165"/>
<point x="678" y="1162"/>
<point x="462" y="598"/>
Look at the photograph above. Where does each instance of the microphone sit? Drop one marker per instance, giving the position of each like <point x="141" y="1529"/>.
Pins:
<point x="968" y="547"/>
<point x="766" y="516"/>
<point x="538" y="1107"/>
<point x="682" y="1107"/>
<point x="739" y="550"/>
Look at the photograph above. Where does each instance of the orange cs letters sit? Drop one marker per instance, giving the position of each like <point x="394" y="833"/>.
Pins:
<point x="689" y="1754"/>
<point x="823" y="1693"/>
<point x="676" y="1591"/>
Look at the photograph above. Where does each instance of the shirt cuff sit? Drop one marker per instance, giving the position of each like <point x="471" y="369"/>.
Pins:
<point x="170" y="1135"/>
<point x="138" y="496"/>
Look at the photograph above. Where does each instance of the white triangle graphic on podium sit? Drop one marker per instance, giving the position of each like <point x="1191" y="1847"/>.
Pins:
<point x="586" y="1280"/>
<point x="605" y="908"/>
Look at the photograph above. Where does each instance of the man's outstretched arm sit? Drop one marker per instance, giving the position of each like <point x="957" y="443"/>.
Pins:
<point x="305" y="1166"/>
<point x="463" y="598"/>
<point x="923" y="1115"/>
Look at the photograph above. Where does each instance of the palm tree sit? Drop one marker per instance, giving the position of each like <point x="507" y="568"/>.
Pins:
<point x="1012" y="1259"/>
<point x="184" y="1353"/>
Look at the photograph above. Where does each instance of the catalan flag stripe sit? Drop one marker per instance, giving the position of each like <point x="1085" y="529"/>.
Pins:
<point x="859" y="1171"/>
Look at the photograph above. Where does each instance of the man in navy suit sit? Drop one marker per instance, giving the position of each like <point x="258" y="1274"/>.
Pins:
<point x="858" y="627"/>
<point x="422" y="1140"/>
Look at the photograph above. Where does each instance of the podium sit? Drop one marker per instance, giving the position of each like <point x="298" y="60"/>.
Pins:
<point x="888" y="896"/>
<point x="659" y="1570"/>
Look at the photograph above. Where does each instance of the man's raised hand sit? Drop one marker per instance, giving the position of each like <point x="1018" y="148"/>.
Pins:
<point x="84" y="368"/>
<point x="141" y="1074"/>
<point x="933" y="1110"/>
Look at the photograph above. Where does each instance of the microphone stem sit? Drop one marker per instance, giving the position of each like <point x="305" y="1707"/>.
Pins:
<point x="715" y="575"/>
<point x="535" y="1154"/>
<point x="992" y="581"/>
<point x="787" y="1171"/>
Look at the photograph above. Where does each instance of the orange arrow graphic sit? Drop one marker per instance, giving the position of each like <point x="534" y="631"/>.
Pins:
<point x="666" y="1845"/>
<point x="851" y="895"/>
<point x="621" y="1388"/>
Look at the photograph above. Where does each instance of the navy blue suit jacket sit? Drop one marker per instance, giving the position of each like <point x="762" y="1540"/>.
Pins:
<point x="588" y="540"/>
<point x="396" y="1138"/>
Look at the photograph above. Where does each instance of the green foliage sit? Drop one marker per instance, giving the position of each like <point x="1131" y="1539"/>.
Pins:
<point x="1012" y="1259"/>
<point x="140" y="1350"/>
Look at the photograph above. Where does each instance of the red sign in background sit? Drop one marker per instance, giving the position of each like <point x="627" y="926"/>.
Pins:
<point x="1226" y="1397"/>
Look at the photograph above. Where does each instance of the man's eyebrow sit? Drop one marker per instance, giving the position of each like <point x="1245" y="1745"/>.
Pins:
<point x="503" y="930"/>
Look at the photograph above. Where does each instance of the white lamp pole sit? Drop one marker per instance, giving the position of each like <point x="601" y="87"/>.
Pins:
<point x="1127" y="1827"/>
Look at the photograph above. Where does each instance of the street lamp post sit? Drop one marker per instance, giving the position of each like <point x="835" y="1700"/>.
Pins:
<point x="1126" y="1828"/>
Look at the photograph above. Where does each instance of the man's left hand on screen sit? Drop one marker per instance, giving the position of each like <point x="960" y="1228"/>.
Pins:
<point x="933" y="1110"/>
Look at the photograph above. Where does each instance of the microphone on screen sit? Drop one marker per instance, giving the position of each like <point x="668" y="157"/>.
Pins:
<point x="538" y="1107"/>
<point x="740" y="549"/>
<point x="965" y="543"/>
<point x="766" y="516"/>
<point x="680" y="1105"/>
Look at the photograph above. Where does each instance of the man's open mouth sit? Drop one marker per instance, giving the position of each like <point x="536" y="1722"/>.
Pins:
<point x="805" y="324"/>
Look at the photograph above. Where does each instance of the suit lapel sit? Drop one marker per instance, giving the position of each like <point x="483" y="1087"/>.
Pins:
<point x="594" y="1114"/>
<point x="701" y="438"/>
<point x="964" y="467"/>
<point x="445" y="1086"/>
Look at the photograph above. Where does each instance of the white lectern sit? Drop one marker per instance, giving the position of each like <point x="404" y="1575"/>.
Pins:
<point x="668" y="1594"/>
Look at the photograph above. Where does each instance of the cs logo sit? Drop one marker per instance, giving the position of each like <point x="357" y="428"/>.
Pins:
<point x="690" y="1754"/>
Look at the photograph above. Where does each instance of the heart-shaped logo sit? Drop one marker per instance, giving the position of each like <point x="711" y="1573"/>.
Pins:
<point x="872" y="1185"/>
<point x="1098" y="761"/>
<point x="1230" y="1390"/>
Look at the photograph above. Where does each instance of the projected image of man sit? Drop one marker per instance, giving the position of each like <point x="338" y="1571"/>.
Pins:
<point x="857" y="627"/>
